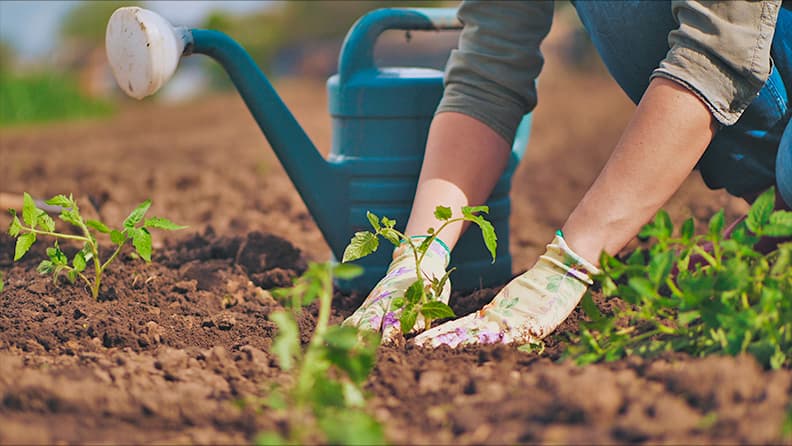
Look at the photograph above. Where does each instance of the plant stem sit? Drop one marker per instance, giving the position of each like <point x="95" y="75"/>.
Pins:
<point x="56" y="234"/>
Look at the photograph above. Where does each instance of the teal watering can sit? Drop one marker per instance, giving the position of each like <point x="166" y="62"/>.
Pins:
<point x="380" y="119"/>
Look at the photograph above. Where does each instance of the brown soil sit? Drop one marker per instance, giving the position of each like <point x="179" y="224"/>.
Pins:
<point x="171" y="347"/>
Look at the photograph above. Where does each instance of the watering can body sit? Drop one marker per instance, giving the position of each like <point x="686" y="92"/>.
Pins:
<point x="380" y="119"/>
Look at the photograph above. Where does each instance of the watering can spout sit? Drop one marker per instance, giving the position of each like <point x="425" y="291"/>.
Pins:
<point x="143" y="49"/>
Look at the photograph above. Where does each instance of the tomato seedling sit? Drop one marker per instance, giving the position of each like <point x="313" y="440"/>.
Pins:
<point x="326" y="402"/>
<point x="35" y="223"/>
<point x="733" y="300"/>
<point x="421" y="297"/>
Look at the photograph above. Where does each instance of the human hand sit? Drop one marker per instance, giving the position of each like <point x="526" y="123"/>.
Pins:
<point x="376" y="313"/>
<point x="528" y="308"/>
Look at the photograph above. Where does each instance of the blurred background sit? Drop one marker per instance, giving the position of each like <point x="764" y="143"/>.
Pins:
<point x="53" y="64"/>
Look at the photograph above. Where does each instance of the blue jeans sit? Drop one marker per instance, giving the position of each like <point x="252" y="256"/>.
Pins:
<point x="745" y="158"/>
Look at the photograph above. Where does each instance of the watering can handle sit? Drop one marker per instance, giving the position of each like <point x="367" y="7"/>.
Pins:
<point x="357" y="53"/>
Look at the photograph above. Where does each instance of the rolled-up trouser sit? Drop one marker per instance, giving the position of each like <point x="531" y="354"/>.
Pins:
<point x="746" y="158"/>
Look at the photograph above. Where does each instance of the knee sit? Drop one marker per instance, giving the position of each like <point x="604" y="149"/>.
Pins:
<point x="784" y="165"/>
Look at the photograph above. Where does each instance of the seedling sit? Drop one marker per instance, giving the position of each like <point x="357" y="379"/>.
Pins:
<point x="326" y="402"/>
<point x="421" y="296"/>
<point x="735" y="300"/>
<point x="35" y="223"/>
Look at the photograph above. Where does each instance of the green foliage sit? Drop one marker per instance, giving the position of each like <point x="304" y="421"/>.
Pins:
<point x="735" y="300"/>
<point x="86" y="22"/>
<point x="419" y="298"/>
<point x="35" y="222"/>
<point x="326" y="399"/>
<point x="42" y="97"/>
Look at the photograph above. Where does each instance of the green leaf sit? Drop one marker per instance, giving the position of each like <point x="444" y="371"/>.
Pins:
<point x="660" y="266"/>
<point x="326" y="392"/>
<point x="437" y="310"/>
<point x="408" y="318"/>
<point x="117" y="237"/>
<point x="62" y="201"/>
<point x="414" y="292"/>
<point x="141" y="240"/>
<point x="2" y="283"/>
<point x="72" y="276"/>
<point x="79" y="262"/>
<point x="98" y="225"/>
<point x="487" y="232"/>
<point x="688" y="229"/>
<point x="162" y="223"/>
<point x="71" y="217"/>
<point x="686" y="317"/>
<point x="590" y="308"/>
<point x="347" y="271"/>
<point x="29" y="210"/>
<point x="373" y="220"/>
<point x="136" y="216"/>
<point x="23" y="244"/>
<point x="16" y="226"/>
<point x="468" y="211"/>
<point x="660" y="228"/>
<point x="351" y="427"/>
<point x="361" y="245"/>
<point x="351" y="350"/>
<point x="643" y="286"/>
<point x="45" y="221"/>
<point x="442" y="213"/>
<point x="779" y="224"/>
<point x="716" y="224"/>
<point x="286" y="346"/>
<point x="56" y="255"/>
<point x="397" y="303"/>
<point x="388" y="223"/>
<point x="760" y="212"/>
<point x="391" y="235"/>
<point x="45" y="267"/>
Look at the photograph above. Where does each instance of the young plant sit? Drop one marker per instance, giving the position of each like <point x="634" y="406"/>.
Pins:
<point x="680" y="297"/>
<point x="419" y="298"/>
<point x="326" y="402"/>
<point x="36" y="223"/>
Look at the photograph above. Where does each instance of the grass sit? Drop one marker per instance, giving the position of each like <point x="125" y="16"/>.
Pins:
<point x="45" y="97"/>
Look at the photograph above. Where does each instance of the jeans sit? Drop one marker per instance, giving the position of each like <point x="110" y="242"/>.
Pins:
<point x="745" y="158"/>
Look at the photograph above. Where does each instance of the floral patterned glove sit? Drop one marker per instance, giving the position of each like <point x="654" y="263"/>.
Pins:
<point x="528" y="308"/>
<point x="376" y="314"/>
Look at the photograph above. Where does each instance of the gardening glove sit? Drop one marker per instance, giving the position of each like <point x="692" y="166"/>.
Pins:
<point x="528" y="308"/>
<point x="376" y="314"/>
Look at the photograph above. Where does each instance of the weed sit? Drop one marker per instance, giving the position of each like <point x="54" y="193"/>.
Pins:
<point x="326" y="398"/>
<point x="420" y="297"/>
<point x="35" y="222"/>
<point x="735" y="300"/>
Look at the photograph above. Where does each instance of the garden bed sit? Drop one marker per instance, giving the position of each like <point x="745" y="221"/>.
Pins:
<point x="173" y="348"/>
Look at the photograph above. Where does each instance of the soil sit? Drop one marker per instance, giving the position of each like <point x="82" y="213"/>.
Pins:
<point x="171" y="347"/>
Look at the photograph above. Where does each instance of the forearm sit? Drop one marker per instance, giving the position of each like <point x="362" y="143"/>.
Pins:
<point x="669" y="132"/>
<point x="464" y="159"/>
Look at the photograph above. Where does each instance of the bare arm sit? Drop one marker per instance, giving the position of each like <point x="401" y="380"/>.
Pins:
<point x="660" y="146"/>
<point x="464" y="159"/>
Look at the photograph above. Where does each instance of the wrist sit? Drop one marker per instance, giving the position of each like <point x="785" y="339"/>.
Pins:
<point x="563" y="256"/>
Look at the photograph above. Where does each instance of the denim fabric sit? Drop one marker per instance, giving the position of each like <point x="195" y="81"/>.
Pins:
<point x="744" y="158"/>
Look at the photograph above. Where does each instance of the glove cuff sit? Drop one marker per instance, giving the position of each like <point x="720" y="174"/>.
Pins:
<point x="562" y="256"/>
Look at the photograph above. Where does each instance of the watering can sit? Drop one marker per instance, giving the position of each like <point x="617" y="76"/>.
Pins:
<point x="380" y="121"/>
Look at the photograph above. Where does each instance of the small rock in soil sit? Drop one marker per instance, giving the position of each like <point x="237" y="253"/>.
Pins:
<point x="225" y="321"/>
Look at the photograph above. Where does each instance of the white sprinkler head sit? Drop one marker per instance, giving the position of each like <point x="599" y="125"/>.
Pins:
<point x="143" y="50"/>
